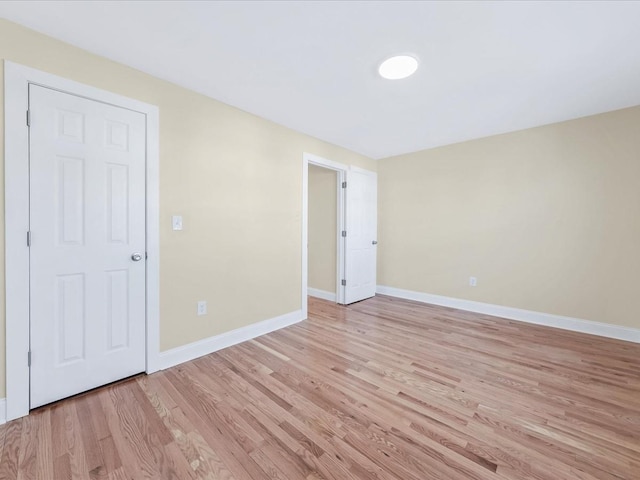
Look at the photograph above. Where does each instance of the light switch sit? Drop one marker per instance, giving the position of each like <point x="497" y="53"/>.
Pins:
<point x="177" y="222"/>
<point x="202" y="307"/>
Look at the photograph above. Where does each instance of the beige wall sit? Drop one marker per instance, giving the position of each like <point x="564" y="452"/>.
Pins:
<point x="547" y="219"/>
<point x="235" y="178"/>
<point x="323" y="221"/>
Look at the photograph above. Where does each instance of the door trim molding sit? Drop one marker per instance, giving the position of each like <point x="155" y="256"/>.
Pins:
<point x="3" y="409"/>
<point x="308" y="158"/>
<point x="16" y="183"/>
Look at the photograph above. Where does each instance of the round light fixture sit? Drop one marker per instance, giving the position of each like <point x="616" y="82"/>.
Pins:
<point x="400" y="66"/>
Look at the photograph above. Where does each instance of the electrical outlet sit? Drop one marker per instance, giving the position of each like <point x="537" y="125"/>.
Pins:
<point x="202" y="308"/>
<point x="473" y="281"/>
<point x="176" y="222"/>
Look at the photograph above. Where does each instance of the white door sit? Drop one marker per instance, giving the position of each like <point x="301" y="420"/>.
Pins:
<point x="87" y="255"/>
<point x="361" y="240"/>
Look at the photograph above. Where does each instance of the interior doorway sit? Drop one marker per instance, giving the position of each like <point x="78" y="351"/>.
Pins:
<point x="324" y="191"/>
<point x="324" y="170"/>
<point x="71" y="108"/>
<point x="354" y="228"/>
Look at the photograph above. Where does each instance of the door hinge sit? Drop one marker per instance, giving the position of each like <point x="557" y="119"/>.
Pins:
<point x="344" y="233"/>
<point x="344" y="282"/>
<point x="29" y="358"/>
<point x="28" y="118"/>
<point x="146" y="256"/>
<point x="344" y="184"/>
<point x="28" y="238"/>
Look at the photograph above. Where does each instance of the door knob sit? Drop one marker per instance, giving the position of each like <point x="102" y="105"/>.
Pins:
<point x="374" y="242"/>
<point x="136" y="257"/>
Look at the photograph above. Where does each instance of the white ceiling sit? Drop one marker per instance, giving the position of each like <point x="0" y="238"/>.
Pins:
<point x="486" y="67"/>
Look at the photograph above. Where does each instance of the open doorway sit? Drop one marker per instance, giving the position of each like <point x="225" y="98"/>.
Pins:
<point x="323" y="172"/>
<point x="353" y="228"/>
<point x="323" y="238"/>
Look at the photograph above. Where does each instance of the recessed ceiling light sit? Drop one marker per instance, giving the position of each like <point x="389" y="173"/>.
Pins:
<point x="400" y="66"/>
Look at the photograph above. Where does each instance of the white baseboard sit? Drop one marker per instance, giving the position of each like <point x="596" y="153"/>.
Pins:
<point x="316" y="292"/>
<point x="3" y="411"/>
<point x="182" y="354"/>
<point x="557" y="321"/>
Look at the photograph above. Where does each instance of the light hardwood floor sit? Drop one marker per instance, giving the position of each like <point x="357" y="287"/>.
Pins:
<point x="383" y="389"/>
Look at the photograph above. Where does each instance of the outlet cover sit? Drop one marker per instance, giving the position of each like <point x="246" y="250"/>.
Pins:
<point x="473" y="281"/>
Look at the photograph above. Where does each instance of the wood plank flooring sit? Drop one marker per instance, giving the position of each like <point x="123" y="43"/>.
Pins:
<point x="383" y="389"/>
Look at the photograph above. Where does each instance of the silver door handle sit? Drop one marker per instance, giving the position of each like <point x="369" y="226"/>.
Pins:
<point x="136" y="257"/>
<point x="374" y="242"/>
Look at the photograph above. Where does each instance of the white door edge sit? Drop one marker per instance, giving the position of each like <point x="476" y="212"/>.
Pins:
<point x="17" y="79"/>
<point x="308" y="158"/>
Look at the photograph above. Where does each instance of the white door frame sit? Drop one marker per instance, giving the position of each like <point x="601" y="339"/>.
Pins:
<point x="341" y="169"/>
<point x="16" y="184"/>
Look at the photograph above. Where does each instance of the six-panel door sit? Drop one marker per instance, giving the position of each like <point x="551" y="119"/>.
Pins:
<point x="87" y="219"/>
